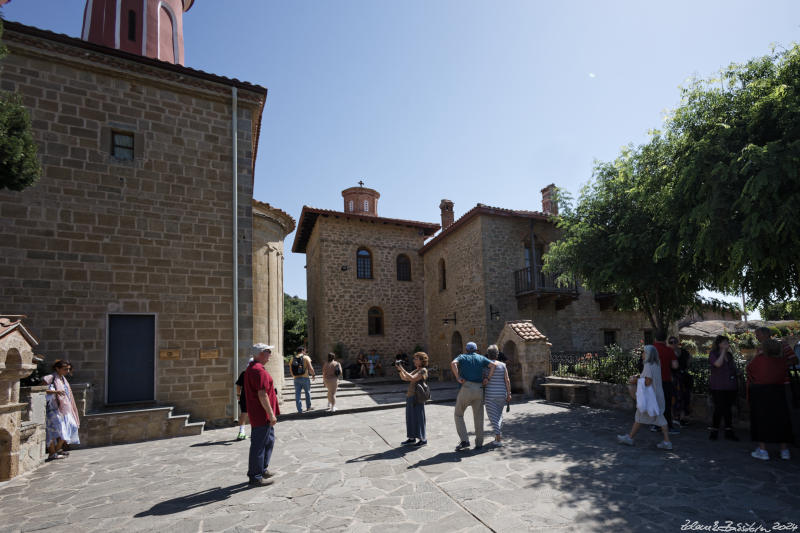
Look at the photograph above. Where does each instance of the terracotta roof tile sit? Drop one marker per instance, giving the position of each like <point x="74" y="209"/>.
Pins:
<point x="526" y="330"/>
<point x="11" y="323"/>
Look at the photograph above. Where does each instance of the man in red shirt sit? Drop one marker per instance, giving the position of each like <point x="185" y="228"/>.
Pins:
<point x="262" y="408"/>
<point x="669" y="362"/>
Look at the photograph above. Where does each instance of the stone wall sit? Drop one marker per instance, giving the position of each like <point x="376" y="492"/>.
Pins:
<point x="338" y="301"/>
<point x="464" y="294"/>
<point x="98" y="235"/>
<point x="33" y="436"/>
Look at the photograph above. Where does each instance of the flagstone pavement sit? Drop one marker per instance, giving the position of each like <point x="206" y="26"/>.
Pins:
<point x="561" y="470"/>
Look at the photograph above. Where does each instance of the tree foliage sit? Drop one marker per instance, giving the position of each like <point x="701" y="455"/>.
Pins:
<point x="295" y="317"/>
<point x="736" y="140"/>
<point x="19" y="164"/>
<point x="781" y="310"/>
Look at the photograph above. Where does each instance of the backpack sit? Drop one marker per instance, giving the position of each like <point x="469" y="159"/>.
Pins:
<point x="298" y="366"/>
<point x="422" y="393"/>
<point x="338" y="370"/>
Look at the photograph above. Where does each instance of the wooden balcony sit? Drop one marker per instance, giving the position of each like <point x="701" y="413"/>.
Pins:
<point x="531" y="284"/>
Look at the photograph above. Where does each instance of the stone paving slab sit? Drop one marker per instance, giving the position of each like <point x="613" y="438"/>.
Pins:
<point x="560" y="471"/>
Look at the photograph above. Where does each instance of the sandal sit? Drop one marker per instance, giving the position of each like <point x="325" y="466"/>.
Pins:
<point x="54" y="456"/>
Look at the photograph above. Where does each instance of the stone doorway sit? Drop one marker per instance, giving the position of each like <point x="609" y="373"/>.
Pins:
<point x="456" y="345"/>
<point x="512" y="363"/>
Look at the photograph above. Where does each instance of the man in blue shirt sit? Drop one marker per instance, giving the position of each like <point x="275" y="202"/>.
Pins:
<point x="468" y="370"/>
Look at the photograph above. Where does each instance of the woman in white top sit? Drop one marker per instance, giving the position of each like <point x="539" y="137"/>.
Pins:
<point x="498" y="394"/>
<point x="652" y="378"/>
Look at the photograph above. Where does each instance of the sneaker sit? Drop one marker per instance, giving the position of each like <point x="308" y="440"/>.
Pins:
<point x="267" y="474"/>
<point x="758" y="453"/>
<point x="463" y="445"/>
<point x="478" y="446"/>
<point x="260" y="482"/>
<point x="408" y="441"/>
<point x="674" y="431"/>
<point x="497" y="443"/>
<point x="333" y="409"/>
<point x="664" y="445"/>
<point x="625" y="439"/>
<point x="241" y="436"/>
<point x="655" y="429"/>
<point x="785" y="455"/>
<point x="420" y="443"/>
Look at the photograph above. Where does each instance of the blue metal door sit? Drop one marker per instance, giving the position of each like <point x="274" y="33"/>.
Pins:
<point x="131" y="358"/>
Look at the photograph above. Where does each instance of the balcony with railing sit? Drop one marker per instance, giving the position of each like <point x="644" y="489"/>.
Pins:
<point x="532" y="283"/>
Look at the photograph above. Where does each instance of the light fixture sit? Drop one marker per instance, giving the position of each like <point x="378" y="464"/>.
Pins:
<point x="494" y="313"/>
<point x="344" y="268"/>
<point x="446" y="320"/>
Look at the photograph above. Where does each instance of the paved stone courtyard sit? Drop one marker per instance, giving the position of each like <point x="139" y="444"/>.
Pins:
<point x="561" y="471"/>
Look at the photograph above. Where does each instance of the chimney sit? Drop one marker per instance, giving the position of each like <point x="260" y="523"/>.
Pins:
<point x="447" y="213"/>
<point x="549" y="202"/>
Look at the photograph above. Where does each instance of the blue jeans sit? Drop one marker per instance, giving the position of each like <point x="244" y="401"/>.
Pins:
<point x="305" y="385"/>
<point x="262" y="440"/>
<point x="415" y="419"/>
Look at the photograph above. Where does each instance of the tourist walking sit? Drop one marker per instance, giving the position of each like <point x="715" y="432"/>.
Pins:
<point x="331" y="371"/>
<point x="62" y="420"/>
<point x="362" y="364"/>
<point x="242" y="405"/>
<point x="263" y="410"/>
<point x="683" y="382"/>
<point x="649" y="384"/>
<point x="415" y="409"/>
<point x="498" y="394"/>
<point x="301" y="368"/>
<point x="669" y="362"/>
<point x="723" y="387"/>
<point x="468" y="371"/>
<point x="767" y="375"/>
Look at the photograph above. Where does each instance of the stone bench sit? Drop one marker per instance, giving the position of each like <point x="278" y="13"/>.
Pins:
<point x="573" y="393"/>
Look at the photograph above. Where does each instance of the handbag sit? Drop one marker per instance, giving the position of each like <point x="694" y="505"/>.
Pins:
<point x="338" y="370"/>
<point x="422" y="393"/>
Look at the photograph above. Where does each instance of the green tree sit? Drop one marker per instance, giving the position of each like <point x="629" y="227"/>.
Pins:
<point x="737" y="174"/>
<point x="780" y="310"/>
<point x="295" y="317"/>
<point x="19" y="164"/>
<point x="612" y="238"/>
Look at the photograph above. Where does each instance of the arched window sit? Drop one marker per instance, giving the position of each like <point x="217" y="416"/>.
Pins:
<point x="363" y="264"/>
<point x="366" y="206"/>
<point x="403" y="268"/>
<point x="442" y="275"/>
<point x="456" y="345"/>
<point x="375" y="321"/>
<point x="350" y="206"/>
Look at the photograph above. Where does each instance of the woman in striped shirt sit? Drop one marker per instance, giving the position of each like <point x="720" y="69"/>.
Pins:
<point x="498" y="394"/>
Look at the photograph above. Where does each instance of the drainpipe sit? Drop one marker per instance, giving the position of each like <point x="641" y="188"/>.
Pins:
<point x="235" y="135"/>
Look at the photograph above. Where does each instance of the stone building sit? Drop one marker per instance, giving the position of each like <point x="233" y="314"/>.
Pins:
<point x="477" y="274"/>
<point x="364" y="275"/>
<point x="130" y="252"/>
<point x="484" y="270"/>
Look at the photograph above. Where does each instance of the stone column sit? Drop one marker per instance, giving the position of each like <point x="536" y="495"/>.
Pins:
<point x="270" y="227"/>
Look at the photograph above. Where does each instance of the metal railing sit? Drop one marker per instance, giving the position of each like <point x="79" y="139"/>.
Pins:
<point x="531" y="279"/>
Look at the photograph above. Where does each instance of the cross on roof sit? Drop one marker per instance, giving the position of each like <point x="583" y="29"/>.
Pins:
<point x="361" y="183"/>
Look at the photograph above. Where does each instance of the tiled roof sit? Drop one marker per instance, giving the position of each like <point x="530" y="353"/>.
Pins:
<point x="481" y="209"/>
<point x="308" y="218"/>
<point x="11" y="323"/>
<point x="526" y="330"/>
<point x="282" y="217"/>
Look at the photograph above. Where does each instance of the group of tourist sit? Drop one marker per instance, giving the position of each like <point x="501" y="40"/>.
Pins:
<point x="767" y="380"/>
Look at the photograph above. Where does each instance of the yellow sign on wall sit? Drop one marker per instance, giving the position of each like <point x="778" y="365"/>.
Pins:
<point x="170" y="353"/>
<point x="213" y="353"/>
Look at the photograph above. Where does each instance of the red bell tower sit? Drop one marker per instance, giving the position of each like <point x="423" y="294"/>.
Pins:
<point x="152" y="28"/>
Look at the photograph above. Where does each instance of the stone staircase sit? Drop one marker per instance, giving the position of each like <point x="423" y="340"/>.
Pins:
<point x="135" y="424"/>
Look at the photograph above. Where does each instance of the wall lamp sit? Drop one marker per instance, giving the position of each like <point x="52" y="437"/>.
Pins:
<point x="446" y="320"/>
<point x="344" y="268"/>
<point x="494" y="313"/>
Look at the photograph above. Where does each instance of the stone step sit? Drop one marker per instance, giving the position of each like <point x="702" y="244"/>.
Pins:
<point x="132" y="424"/>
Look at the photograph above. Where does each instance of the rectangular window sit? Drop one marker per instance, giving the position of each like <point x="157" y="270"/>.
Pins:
<point x="648" y="336"/>
<point x="122" y="145"/>
<point x="609" y="337"/>
<point x="131" y="25"/>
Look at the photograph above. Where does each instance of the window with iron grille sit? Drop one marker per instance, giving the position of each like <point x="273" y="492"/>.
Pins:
<point x="122" y="145"/>
<point x="375" y="319"/>
<point x="609" y="337"/>
<point x="364" y="264"/>
<point x="366" y="206"/>
<point x="403" y="268"/>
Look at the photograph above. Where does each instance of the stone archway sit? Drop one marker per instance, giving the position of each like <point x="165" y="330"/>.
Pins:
<point x="513" y="365"/>
<point x="456" y="345"/>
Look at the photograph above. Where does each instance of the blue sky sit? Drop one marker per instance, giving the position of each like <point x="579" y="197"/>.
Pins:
<point x="472" y="100"/>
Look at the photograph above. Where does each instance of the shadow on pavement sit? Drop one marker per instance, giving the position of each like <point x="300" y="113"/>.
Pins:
<point x="191" y="501"/>
<point x="698" y="480"/>
<point x="392" y="453"/>
<point x="214" y="443"/>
